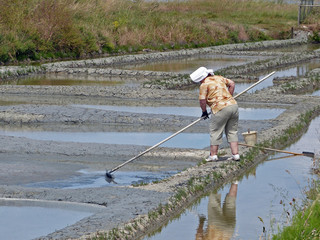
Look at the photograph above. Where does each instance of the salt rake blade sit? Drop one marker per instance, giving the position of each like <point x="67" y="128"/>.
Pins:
<point x="308" y="154"/>
<point x="109" y="177"/>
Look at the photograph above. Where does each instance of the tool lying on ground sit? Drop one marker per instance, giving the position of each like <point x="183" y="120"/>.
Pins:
<point x="110" y="178"/>
<point x="307" y="154"/>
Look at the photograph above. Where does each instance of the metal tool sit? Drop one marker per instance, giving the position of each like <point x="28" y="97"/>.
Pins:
<point x="110" y="178"/>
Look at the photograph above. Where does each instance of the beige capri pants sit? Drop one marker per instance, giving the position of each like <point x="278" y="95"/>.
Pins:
<point x="224" y="120"/>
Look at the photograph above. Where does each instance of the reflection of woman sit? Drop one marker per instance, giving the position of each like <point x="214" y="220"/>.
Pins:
<point x="221" y="221"/>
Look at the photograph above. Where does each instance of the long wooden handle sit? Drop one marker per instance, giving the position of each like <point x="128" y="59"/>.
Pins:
<point x="154" y="146"/>
<point x="271" y="149"/>
<point x="255" y="84"/>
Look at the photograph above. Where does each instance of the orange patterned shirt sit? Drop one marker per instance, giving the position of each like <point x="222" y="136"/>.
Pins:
<point x="215" y="91"/>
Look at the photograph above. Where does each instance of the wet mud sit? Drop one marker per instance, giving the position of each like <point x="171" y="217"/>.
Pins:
<point x="52" y="108"/>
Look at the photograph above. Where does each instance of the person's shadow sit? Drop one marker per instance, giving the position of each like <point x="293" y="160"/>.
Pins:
<point x="221" y="220"/>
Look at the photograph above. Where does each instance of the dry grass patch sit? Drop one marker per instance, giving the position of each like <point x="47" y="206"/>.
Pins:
<point x="38" y="29"/>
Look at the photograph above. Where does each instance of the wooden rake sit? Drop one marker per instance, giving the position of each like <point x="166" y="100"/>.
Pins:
<point x="307" y="154"/>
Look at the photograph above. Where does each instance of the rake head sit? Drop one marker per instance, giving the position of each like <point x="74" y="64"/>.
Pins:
<point x="309" y="154"/>
<point x="109" y="177"/>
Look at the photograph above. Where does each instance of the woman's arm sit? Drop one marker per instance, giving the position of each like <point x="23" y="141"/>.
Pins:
<point x="203" y="104"/>
<point x="231" y="87"/>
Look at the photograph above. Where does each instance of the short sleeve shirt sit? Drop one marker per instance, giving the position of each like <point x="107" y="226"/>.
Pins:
<point x="214" y="90"/>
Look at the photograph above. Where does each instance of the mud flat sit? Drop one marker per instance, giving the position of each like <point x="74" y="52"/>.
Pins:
<point x="26" y="161"/>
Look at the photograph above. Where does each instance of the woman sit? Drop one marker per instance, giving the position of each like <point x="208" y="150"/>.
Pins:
<point x="216" y="92"/>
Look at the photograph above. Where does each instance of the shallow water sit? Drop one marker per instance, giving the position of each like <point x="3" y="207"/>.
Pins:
<point x="259" y="201"/>
<point x="244" y="113"/>
<point x="53" y="80"/>
<point x="296" y="71"/>
<point x="187" y="65"/>
<point x="316" y="93"/>
<point x="183" y="140"/>
<point x="216" y="62"/>
<point x="22" y="220"/>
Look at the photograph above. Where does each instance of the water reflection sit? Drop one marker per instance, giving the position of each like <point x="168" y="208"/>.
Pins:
<point x="221" y="220"/>
<point x="258" y="204"/>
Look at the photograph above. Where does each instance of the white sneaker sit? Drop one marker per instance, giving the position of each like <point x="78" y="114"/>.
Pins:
<point x="212" y="158"/>
<point x="235" y="157"/>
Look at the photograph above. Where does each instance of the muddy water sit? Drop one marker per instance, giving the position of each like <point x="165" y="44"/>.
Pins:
<point x="260" y="199"/>
<point x="61" y="80"/>
<point x="95" y="179"/>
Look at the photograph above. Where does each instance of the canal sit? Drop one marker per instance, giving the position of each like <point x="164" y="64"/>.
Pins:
<point x="254" y="204"/>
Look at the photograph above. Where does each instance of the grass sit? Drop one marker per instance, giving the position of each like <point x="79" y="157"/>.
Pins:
<point x="40" y="29"/>
<point x="305" y="223"/>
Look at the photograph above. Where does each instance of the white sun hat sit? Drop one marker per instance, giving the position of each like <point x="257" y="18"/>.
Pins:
<point x="200" y="74"/>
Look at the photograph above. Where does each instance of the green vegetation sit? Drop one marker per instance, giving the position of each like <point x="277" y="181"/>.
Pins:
<point x="314" y="25"/>
<point x="305" y="223"/>
<point x="40" y="29"/>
